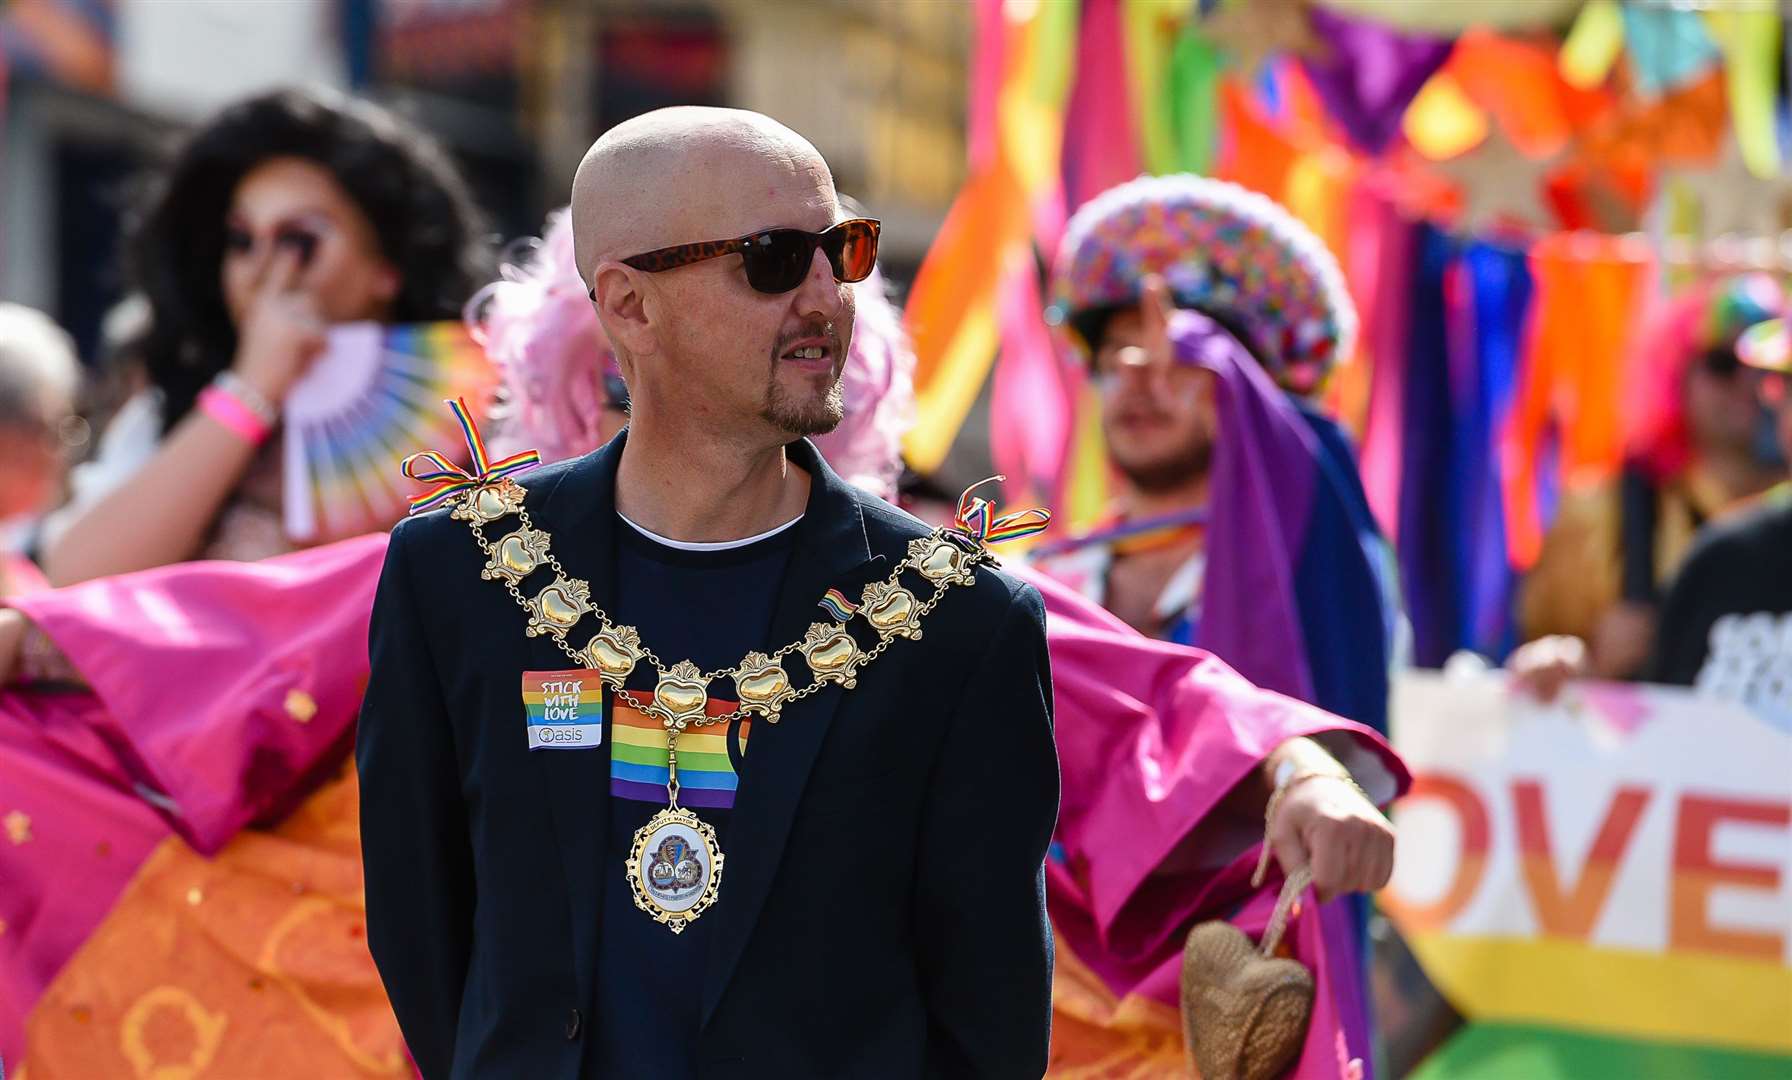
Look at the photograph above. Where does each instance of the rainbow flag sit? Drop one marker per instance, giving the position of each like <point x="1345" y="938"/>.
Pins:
<point x="706" y="761"/>
<point x="838" y="607"/>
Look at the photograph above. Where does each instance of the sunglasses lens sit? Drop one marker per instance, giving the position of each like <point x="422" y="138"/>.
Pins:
<point x="852" y="249"/>
<point x="1722" y="362"/>
<point x="776" y="261"/>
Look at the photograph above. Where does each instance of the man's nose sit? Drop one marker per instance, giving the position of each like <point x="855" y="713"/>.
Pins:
<point x="819" y="294"/>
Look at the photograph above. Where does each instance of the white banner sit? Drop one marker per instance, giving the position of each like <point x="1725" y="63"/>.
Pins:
<point x="1620" y="861"/>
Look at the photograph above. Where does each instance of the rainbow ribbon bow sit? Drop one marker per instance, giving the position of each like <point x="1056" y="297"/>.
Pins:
<point x="977" y="519"/>
<point x="449" y="479"/>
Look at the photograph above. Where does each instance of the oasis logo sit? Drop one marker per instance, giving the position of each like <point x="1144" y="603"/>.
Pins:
<point x="565" y="736"/>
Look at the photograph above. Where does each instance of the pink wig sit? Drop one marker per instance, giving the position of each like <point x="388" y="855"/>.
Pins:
<point x="1683" y="328"/>
<point x="539" y="327"/>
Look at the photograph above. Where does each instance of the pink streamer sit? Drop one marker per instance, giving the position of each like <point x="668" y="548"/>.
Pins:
<point x="1031" y="410"/>
<point x="1100" y="146"/>
<point x="986" y="84"/>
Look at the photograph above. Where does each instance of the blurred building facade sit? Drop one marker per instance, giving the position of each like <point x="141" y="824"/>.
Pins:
<point x="94" y="89"/>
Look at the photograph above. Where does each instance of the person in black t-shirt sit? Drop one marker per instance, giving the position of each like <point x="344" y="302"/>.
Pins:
<point x="1726" y="627"/>
<point x="1726" y="624"/>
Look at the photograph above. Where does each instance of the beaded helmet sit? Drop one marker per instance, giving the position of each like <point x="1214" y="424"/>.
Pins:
<point x="1768" y="346"/>
<point x="1221" y="249"/>
<point x="1749" y="315"/>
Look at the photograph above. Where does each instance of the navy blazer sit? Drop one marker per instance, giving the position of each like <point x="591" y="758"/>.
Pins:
<point x="882" y="913"/>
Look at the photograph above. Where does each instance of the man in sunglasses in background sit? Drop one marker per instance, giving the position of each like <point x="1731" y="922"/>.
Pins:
<point x="1726" y="620"/>
<point x="549" y="787"/>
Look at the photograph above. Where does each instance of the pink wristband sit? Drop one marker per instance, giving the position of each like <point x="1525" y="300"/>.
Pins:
<point x="221" y="405"/>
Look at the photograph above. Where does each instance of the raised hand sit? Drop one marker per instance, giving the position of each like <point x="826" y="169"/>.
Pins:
<point x="281" y="332"/>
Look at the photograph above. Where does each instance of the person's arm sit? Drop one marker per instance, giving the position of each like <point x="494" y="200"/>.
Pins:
<point x="165" y="512"/>
<point x="414" y="841"/>
<point x="984" y="943"/>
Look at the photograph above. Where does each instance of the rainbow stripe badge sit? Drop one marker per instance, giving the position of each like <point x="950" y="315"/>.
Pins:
<point x="564" y="709"/>
<point x="838" y="607"/>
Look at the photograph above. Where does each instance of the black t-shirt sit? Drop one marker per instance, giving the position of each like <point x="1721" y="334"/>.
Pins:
<point x="712" y="608"/>
<point x="1726" y="627"/>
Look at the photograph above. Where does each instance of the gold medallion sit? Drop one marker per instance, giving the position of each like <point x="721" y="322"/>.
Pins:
<point x="942" y="562"/>
<point x="675" y="867"/>
<point x="516" y="556"/>
<point x="762" y="685"/>
<point x="681" y="696"/>
<point x="892" y="610"/>
<point x="556" y="609"/>
<point x="614" y="651"/>
<point x="489" y="502"/>
<point x="832" y="654"/>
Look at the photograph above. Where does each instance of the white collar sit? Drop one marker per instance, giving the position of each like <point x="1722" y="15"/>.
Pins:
<point x="709" y="545"/>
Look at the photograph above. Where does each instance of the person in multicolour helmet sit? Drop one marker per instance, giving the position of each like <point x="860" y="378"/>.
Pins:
<point x="1206" y="314"/>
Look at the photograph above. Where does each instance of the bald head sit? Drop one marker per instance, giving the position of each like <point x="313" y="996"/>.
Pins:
<point x="689" y="174"/>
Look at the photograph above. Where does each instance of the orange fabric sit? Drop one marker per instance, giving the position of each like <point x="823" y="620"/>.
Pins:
<point x="966" y="254"/>
<point x="1587" y="292"/>
<point x="253" y="963"/>
<point x="1096" y="1036"/>
<point x="1520" y="85"/>
<point x="1254" y="154"/>
<point x="1684" y="127"/>
<point x="1304" y="117"/>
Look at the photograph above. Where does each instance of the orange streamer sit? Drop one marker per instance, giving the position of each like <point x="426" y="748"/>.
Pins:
<point x="1587" y="291"/>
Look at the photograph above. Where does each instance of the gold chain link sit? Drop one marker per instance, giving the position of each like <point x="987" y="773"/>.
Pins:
<point x="628" y="696"/>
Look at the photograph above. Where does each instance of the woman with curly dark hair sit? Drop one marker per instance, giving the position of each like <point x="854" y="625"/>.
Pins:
<point x="283" y="214"/>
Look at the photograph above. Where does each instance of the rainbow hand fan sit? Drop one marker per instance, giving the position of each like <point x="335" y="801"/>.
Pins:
<point x="372" y="398"/>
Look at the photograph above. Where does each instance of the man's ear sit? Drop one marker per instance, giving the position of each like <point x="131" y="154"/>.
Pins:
<point x="622" y="308"/>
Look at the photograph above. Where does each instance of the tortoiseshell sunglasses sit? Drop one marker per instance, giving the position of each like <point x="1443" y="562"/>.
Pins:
<point x="777" y="260"/>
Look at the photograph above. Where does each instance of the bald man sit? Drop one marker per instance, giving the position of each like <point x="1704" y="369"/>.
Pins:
<point x="690" y="759"/>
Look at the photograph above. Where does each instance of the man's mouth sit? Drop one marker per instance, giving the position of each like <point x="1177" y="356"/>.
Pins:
<point x="810" y="353"/>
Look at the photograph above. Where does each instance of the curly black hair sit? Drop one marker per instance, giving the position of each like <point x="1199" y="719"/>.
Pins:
<point x="428" y="226"/>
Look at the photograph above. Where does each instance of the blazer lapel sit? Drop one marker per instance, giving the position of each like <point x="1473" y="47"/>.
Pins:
<point x="577" y="513"/>
<point x="831" y="550"/>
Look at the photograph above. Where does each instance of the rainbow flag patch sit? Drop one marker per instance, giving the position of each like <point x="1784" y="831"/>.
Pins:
<point x="564" y="709"/>
<point x="706" y="776"/>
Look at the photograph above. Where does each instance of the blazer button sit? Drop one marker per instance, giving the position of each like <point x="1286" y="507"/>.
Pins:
<point x="572" y="1023"/>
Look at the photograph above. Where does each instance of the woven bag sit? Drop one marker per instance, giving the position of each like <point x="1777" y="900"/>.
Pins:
<point x="1244" y="1010"/>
